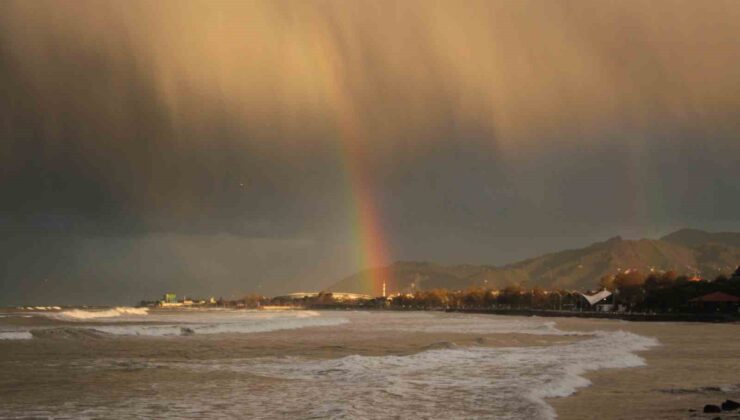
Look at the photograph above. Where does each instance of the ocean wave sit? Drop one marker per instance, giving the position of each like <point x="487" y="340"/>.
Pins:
<point x="15" y="335"/>
<point x="505" y="383"/>
<point x="444" y="380"/>
<point x="81" y="314"/>
<point x="473" y="324"/>
<point x="607" y="350"/>
<point x="243" y="326"/>
<point x="67" y="333"/>
<point x="183" y="323"/>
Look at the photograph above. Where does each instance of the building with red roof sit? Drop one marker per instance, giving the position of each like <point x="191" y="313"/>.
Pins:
<point x="717" y="302"/>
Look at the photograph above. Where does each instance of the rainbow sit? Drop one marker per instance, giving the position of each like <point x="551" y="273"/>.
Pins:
<point x="367" y="230"/>
<point x="372" y="250"/>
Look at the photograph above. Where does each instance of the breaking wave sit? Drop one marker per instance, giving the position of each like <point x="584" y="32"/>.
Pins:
<point x="446" y="382"/>
<point x="473" y="324"/>
<point x="242" y="327"/>
<point x="503" y="383"/>
<point x="42" y="308"/>
<point x="67" y="333"/>
<point x="80" y="314"/>
<point x="126" y="321"/>
<point x="15" y="335"/>
<point x="442" y="380"/>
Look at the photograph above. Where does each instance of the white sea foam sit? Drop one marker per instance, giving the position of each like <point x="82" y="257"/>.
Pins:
<point x="80" y="314"/>
<point x="242" y="327"/>
<point x="450" y="382"/>
<point x="130" y="321"/>
<point x="15" y="335"/>
<point x="431" y="322"/>
<point x="477" y="382"/>
<point x="464" y="377"/>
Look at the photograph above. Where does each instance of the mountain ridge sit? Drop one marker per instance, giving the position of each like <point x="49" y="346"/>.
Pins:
<point x="685" y="251"/>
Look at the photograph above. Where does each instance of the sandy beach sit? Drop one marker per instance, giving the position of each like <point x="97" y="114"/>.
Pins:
<point x="695" y="364"/>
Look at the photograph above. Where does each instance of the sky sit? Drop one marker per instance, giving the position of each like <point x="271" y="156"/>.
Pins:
<point x="225" y="147"/>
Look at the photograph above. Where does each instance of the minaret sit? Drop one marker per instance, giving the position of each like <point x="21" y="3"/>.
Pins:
<point x="383" y="289"/>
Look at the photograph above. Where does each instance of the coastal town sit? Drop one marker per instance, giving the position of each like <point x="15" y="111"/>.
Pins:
<point x="627" y="295"/>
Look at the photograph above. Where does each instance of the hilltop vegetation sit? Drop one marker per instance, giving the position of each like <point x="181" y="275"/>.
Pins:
<point x="686" y="251"/>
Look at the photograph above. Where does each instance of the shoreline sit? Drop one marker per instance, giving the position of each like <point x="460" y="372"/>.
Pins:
<point x="693" y="365"/>
<point x="627" y="316"/>
<point x="718" y="317"/>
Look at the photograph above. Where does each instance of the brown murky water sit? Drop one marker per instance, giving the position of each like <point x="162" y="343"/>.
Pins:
<point x="302" y="364"/>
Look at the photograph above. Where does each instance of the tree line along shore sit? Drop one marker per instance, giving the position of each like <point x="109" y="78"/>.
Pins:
<point x="631" y="294"/>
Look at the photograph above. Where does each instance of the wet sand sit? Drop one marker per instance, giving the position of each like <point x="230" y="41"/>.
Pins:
<point x="696" y="364"/>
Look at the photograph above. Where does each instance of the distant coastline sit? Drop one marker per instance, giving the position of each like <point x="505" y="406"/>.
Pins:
<point x="629" y="295"/>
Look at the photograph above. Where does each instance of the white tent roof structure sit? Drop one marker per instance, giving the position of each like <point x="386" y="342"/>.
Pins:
<point x="596" y="297"/>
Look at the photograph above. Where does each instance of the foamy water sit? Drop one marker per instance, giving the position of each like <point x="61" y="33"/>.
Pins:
<point x="128" y="321"/>
<point x="473" y="324"/>
<point x="227" y="323"/>
<point x="502" y="383"/>
<point x="208" y="379"/>
<point x="82" y="314"/>
<point x="15" y="335"/>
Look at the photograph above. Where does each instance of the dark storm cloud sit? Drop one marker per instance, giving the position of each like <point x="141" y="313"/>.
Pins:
<point x="173" y="123"/>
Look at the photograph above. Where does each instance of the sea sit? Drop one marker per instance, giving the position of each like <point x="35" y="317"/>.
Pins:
<point x="125" y="362"/>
